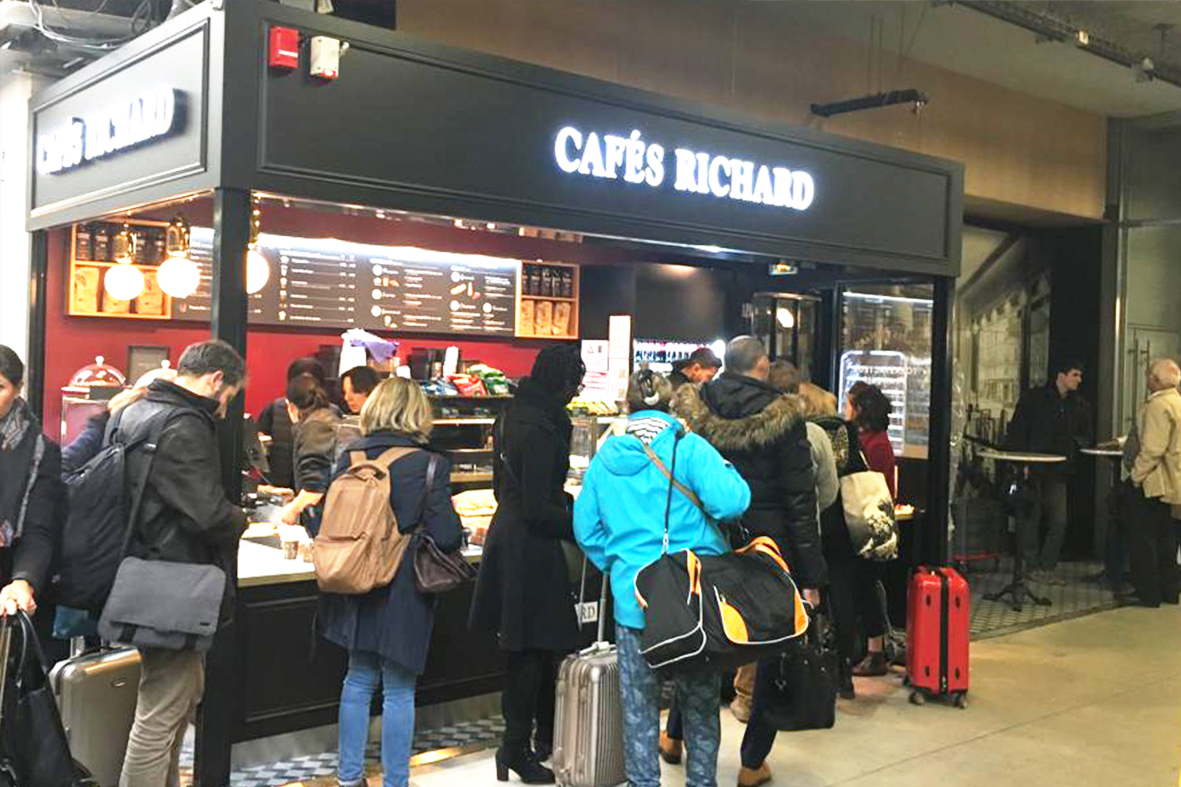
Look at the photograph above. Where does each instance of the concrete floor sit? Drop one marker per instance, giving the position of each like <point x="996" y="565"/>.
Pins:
<point x="1091" y="701"/>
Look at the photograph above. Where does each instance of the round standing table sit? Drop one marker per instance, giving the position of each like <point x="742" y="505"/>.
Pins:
<point x="1016" y="592"/>
<point x="1113" y="572"/>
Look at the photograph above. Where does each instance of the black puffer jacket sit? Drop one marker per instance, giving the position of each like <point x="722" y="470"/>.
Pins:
<point x="184" y="516"/>
<point x="763" y="434"/>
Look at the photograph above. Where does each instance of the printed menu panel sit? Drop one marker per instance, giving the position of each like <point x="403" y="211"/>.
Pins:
<point x="337" y="284"/>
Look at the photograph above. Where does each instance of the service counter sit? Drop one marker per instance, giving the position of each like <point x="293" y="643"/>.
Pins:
<point x="288" y="679"/>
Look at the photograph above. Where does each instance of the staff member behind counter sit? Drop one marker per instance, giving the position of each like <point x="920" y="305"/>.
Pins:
<point x="314" y="449"/>
<point x="275" y="422"/>
<point x="356" y="384"/>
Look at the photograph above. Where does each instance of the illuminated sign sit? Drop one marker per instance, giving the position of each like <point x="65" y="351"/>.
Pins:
<point x="637" y="161"/>
<point x="149" y="116"/>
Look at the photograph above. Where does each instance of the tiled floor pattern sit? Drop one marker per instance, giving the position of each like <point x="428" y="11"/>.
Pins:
<point x="1079" y="595"/>
<point x="467" y="736"/>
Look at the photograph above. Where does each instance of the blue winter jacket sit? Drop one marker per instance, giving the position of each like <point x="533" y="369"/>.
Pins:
<point x="619" y="515"/>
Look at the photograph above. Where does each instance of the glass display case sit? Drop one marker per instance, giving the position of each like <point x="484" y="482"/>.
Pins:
<point x="86" y="394"/>
<point x="661" y="354"/>
<point x="886" y="341"/>
<point x="786" y="324"/>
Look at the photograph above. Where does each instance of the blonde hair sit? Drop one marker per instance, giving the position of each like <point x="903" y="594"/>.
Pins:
<point x="397" y="405"/>
<point x="818" y="401"/>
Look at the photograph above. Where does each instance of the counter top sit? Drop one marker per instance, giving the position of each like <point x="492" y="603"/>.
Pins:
<point x="259" y="565"/>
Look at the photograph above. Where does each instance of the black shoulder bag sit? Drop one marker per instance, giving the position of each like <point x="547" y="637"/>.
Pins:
<point x="435" y="571"/>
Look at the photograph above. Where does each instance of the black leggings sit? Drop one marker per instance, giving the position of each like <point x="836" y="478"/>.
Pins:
<point x="853" y="594"/>
<point x="530" y="681"/>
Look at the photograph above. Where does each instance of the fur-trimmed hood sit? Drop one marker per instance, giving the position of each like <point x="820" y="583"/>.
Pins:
<point x="738" y="413"/>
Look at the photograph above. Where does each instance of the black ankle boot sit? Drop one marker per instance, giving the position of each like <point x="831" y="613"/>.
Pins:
<point x="527" y="768"/>
<point x="845" y="686"/>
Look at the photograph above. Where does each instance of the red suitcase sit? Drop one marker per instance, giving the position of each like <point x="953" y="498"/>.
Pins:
<point x="937" y="633"/>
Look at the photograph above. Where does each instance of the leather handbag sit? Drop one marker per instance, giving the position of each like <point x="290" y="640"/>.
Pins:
<point x="35" y="750"/>
<point x="802" y="691"/>
<point x="435" y="571"/>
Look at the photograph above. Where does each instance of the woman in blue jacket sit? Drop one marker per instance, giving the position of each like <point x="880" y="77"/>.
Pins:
<point x="619" y="521"/>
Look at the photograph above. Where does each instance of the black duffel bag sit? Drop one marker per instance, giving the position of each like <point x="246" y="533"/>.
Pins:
<point x="717" y="612"/>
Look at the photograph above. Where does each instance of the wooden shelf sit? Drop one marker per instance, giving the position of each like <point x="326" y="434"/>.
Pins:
<point x="471" y="478"/>
<point x="527" y="297"/>
<point x="79" y="268"/>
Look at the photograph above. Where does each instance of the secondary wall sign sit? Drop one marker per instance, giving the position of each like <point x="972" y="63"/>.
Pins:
<point x="640" y="162"/>
<point x="126" y="123"/>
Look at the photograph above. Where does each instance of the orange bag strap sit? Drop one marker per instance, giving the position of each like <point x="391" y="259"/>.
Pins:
<point x="768" y="547"/>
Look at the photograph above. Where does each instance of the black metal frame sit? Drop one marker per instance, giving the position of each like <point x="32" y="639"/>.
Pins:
<point x="234" y="162"/>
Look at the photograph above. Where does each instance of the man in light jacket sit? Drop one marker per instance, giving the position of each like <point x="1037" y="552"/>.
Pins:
<point x="1156" y="473"/>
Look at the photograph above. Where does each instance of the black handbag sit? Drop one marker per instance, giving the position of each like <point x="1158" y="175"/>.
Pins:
<point x="435" y="571"/>
<point x="35" y="751"/>
<point x="801" y="693"/>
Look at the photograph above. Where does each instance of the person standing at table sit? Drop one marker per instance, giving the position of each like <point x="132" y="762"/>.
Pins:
<point x="1156" y="476"/>
<point x="1051" y="419"/>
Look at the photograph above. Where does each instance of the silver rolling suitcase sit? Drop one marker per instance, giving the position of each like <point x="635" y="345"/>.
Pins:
<point x="96" y="693"/>
<point x="588" y="722"/>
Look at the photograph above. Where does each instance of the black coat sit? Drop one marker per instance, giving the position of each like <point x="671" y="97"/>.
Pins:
<point x="31" y="558"/>
<point x="184" y="516"/>
<point x="395" y="621"/>
<point x="846" y="451"/>
<point x="274" y="421"/>
<point x="524" y="591"/>
<point x="313" y="457"/>
<point x="1047" y="423"/>
<point x="763" y="434"/>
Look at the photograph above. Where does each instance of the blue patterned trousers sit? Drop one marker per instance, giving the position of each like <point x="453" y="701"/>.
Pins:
<point x="697" y="696"/>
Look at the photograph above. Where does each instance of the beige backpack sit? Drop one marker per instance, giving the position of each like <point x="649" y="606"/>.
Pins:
<point x="359" y="546"/>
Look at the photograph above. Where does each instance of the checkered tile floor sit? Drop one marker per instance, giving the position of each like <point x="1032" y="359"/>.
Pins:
<point x="466" y="735"/>
<point x="1078" y="596"/>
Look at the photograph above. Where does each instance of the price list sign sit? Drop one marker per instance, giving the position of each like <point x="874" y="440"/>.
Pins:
<point x="337" y="284"/>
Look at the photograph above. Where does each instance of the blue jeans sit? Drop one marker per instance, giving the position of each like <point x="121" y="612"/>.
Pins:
<point x="366" y="672"/>
<point x="697" y="696"/>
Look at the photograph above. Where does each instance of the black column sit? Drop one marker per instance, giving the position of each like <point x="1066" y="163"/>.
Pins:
<point x="35" y="368"/>
<point x="216" y="719"/>
<point x="933" y="538"/>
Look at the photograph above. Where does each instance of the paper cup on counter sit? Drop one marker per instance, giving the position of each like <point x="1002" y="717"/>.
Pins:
<point x="290" y="537"/>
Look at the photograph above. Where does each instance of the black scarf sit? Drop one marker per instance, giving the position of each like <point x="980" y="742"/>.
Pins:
<point x="21" y="452"/>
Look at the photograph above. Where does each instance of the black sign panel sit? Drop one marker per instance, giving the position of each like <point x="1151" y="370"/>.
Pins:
<point x="142" y="125"/>
<point x="418" y="127"/>
<point x="328" y="283"/>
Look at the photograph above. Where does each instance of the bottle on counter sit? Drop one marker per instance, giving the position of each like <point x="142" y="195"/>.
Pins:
<point x="83" y="242"/>
<point x="535" y="280"/>
<point x="527" y="280"/>
<point x="547" y="283"/>
<point x="567" y="283"/>
<point x="102" y="243"/>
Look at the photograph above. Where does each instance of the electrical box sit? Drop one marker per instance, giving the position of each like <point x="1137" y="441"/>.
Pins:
<point x="325" y="57"/>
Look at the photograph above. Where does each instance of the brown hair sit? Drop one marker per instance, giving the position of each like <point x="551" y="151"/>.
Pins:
<point x="818" y="401"/>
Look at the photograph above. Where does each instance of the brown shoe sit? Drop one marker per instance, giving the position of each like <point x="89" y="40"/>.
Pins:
<point x="670" y="749"/>
<point x="872" y="666"/>
<point x="754" y="777"/>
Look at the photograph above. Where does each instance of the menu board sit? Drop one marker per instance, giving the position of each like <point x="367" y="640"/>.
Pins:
<point x="336" y="284"/>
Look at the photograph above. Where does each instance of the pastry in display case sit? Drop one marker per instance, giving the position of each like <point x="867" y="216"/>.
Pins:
<point x="86" y="394"/>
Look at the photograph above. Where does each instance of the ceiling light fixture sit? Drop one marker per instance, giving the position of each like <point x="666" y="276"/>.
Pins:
<point x="917" y="98"/>
<point x="124" y="281"/>
<point x="178" y="275"/>
<point x="258" y="270"/>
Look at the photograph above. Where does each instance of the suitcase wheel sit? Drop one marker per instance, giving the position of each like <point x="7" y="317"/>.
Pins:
<point x="917" y="698"/>
<point x="960" y="700"/>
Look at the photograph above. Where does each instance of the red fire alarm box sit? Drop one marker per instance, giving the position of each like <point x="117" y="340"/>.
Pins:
<point x="283" y="52"/>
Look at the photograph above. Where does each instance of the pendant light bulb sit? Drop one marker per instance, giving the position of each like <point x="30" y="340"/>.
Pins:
<point x="123" y="281"/>
<point x="785" y="318"/>
<point x="258" y="271"/>
<point x="178" y="275"/>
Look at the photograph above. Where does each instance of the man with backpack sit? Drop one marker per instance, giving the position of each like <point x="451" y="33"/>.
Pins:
<point x="183" y="516"/>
